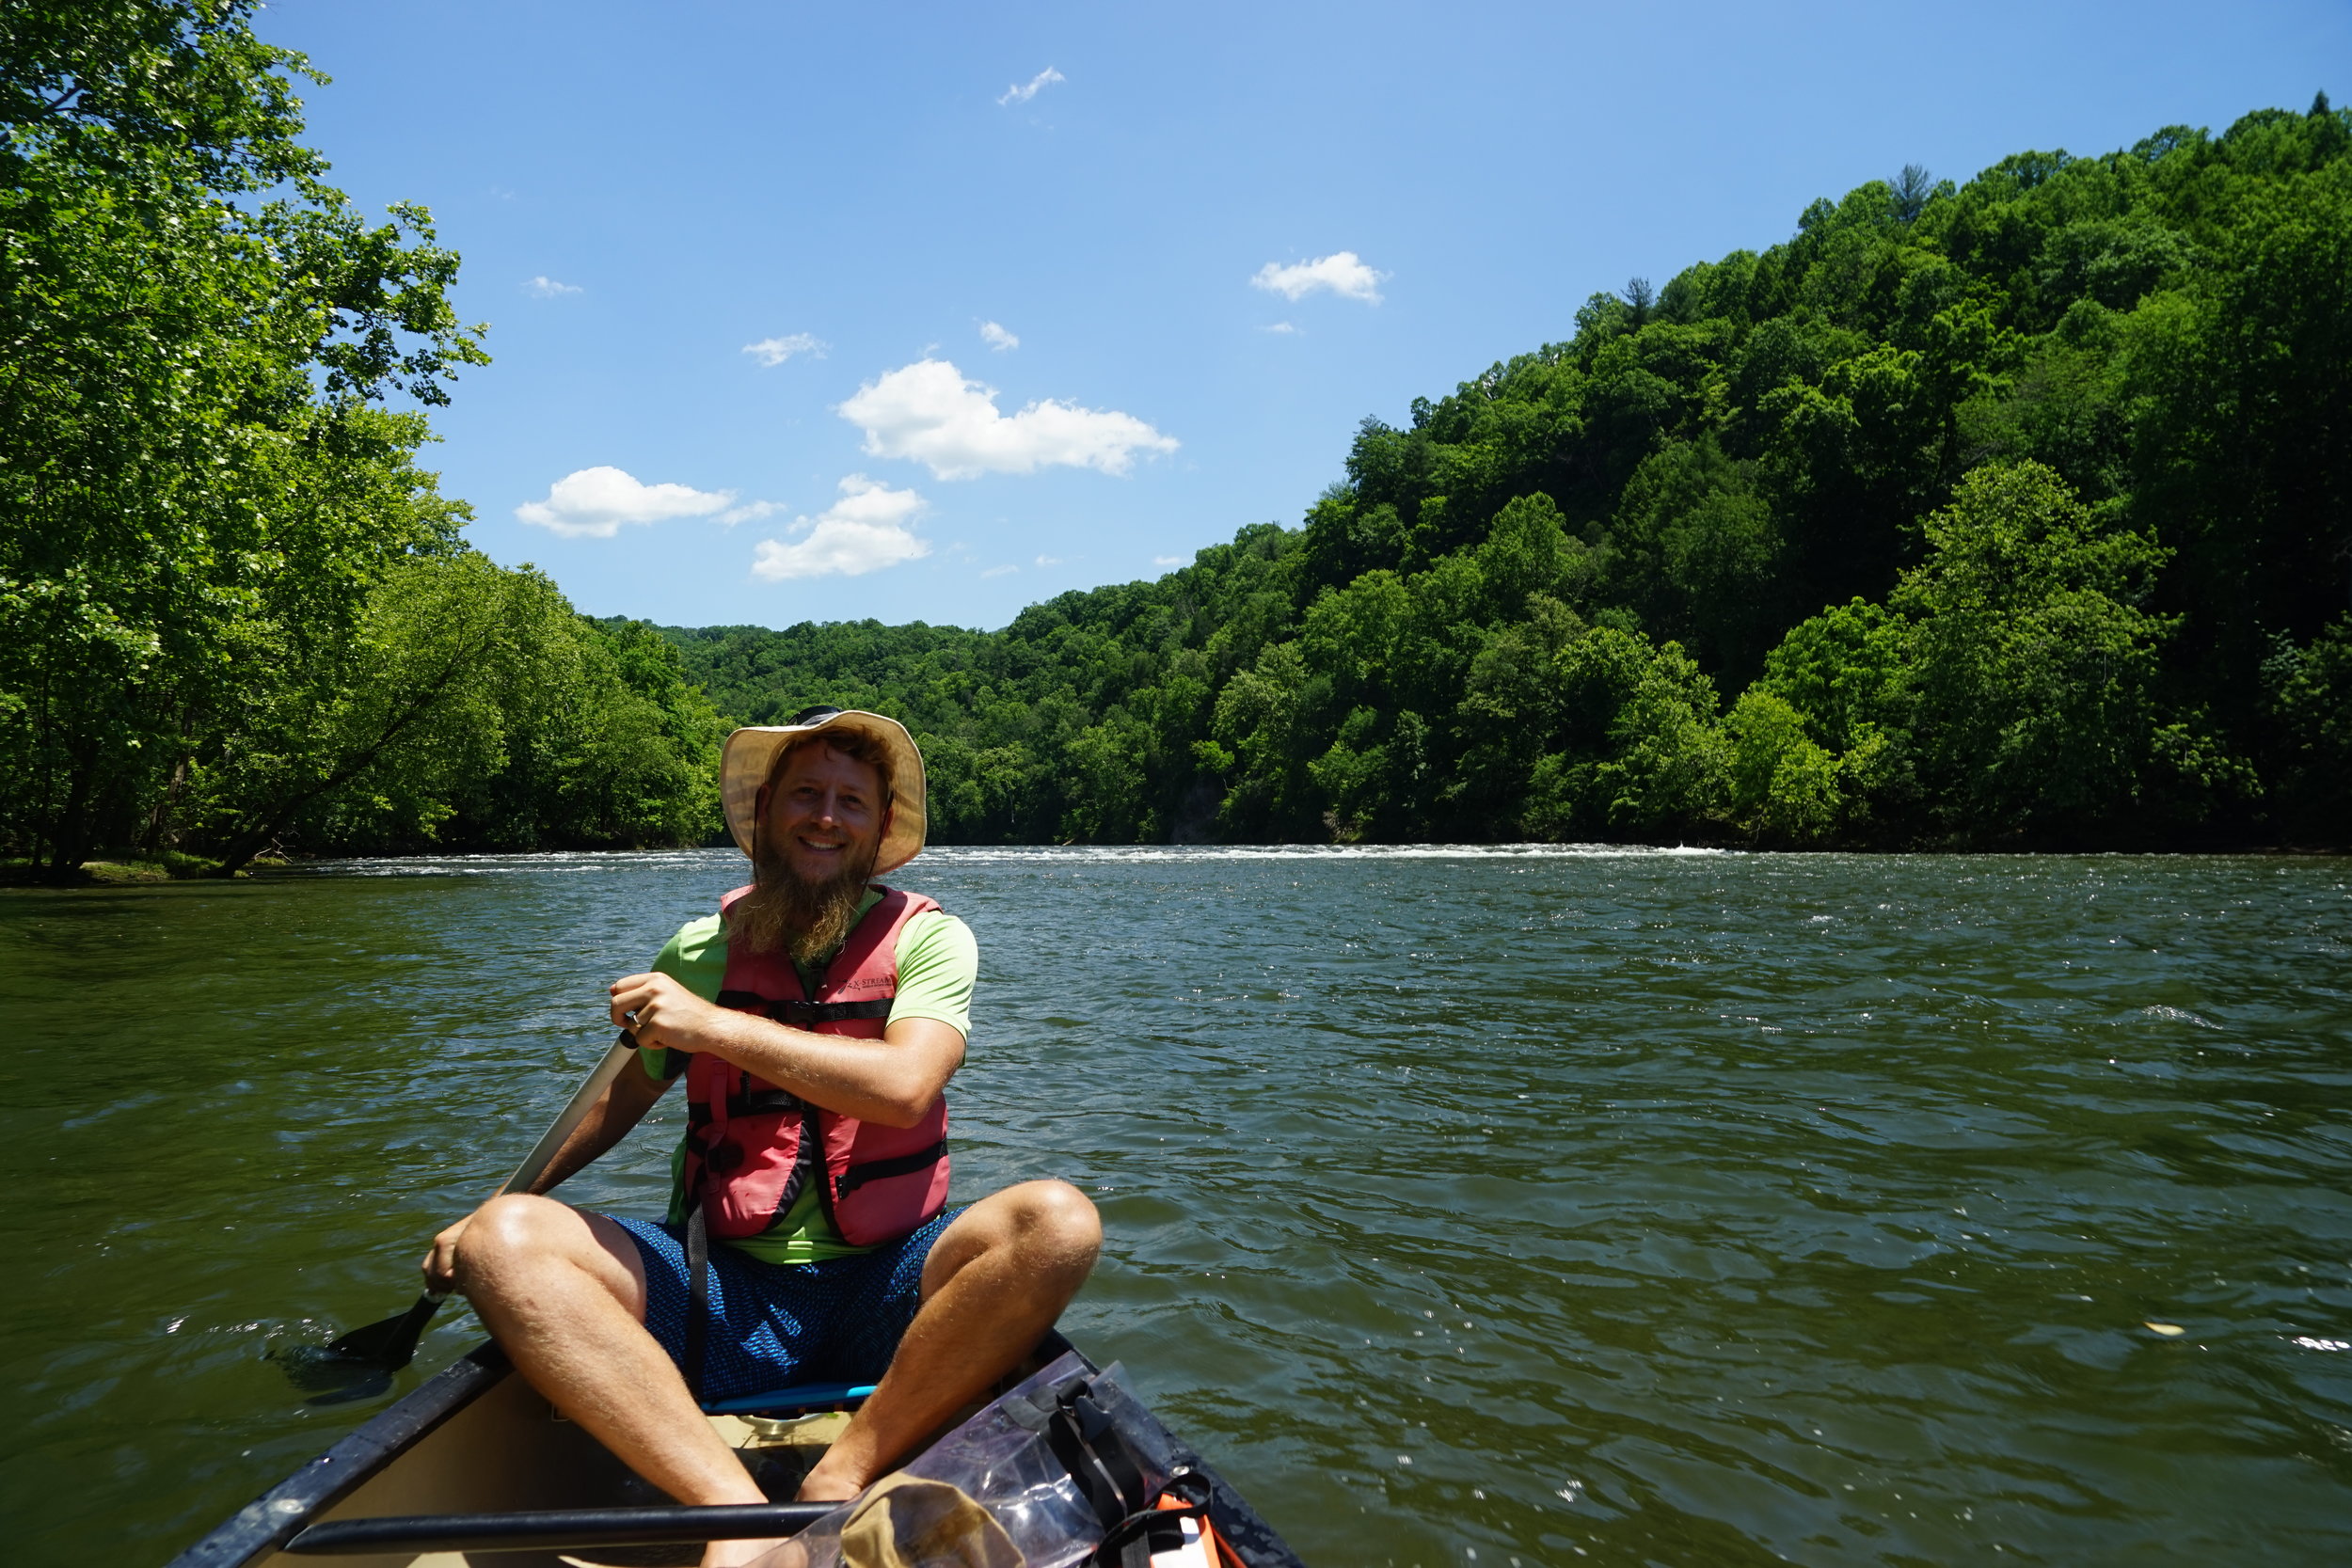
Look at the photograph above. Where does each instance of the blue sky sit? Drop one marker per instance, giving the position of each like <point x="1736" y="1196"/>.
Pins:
<point x="931" y="311"/>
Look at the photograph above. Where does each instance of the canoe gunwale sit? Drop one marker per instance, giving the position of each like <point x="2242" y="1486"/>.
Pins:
<point x="275" y="1517"/>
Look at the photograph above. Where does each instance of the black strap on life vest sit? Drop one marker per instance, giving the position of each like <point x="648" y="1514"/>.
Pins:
<point x="762" y="1102"/>
<point x="804" y="1015"/>
<point x="808" y="1159"/>
<point x="743" y="1101"/>
<point x="898" y="1165"/>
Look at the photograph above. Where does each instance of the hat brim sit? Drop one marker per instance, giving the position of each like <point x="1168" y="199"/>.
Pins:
<point x="750" y="756"/>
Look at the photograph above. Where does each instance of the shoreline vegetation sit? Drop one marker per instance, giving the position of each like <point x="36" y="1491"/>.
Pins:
<point x="2011" y="514"/>
<point x="128" y="869"/>
<point x="132" y="868"/>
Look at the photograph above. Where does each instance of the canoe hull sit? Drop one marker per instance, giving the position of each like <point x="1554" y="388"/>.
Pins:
<point x="476" y="1438"/>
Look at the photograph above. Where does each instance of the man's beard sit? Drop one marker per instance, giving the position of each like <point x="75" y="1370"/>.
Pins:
<point x="809" y="920"/>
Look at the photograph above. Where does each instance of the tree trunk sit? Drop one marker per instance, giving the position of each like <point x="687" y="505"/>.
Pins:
<point x="254" y="839"/>
<point x="69" y="832"/>
<point x="259" y="837"/>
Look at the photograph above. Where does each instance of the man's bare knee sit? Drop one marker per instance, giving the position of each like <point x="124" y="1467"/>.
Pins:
<point x="1039" y="1229"/>
<point x="1053" y="1223"/>
<point x="512" y="1231"/>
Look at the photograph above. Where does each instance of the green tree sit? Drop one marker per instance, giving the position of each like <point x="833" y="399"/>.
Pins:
<point x="2244" y="447"/>
<point x="2309" y="692"/>
<point x="1782" y="786"/>
<point x="2034" y="666"/>
<point x="1698" y="553"/>
<point x="1643" y="753"/>
<point x="409" y="710"/>
<point x="196" y="328"/>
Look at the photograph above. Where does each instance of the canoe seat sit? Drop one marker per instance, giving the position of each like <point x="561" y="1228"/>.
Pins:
<point x="800" y="1395"/>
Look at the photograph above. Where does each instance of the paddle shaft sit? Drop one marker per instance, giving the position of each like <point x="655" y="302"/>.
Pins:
<point x="583" y="1101"/>
<point x="552" y="1530"/>
<point x="560" y="1131"/>
<point x="390" y="1344"/>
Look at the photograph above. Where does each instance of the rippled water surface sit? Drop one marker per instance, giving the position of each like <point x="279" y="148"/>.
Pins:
<point x="1534" y="1207"/>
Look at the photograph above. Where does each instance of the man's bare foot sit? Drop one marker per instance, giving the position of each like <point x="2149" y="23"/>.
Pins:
<point x="736" y="1553"/>
<point x="825" y="1486"/>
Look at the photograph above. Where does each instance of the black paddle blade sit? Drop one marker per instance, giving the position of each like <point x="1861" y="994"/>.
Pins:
<point x="390" y="1344"/>
<point x="362" y="1362"/>
<point x="332" y="1379"/>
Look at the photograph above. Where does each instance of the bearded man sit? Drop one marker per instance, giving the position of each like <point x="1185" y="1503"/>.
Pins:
<point x="815" y="1019"/>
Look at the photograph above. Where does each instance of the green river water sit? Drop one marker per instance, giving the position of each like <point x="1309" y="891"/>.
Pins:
<point x="1465" y="1207"/>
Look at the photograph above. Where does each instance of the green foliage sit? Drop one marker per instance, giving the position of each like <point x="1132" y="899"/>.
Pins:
<point x="2309" y="704"/>
<point x="2059" y="448"/>
<point x="228" y="595"/>
<point x="2033" y="666"/>
<point x="1699" y="551"/>
<point x="1783" y="788"/>
<point x="1844" y="671"/>
<point x="1640" y="754"/>
<point x="2017" y="509"/>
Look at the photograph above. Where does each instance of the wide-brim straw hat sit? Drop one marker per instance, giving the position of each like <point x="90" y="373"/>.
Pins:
<point x="750" y="756"/>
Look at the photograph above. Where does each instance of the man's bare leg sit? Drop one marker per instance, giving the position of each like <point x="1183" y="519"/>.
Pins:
<point x="563" y="1293"/>
<point x="994" y="1282"/>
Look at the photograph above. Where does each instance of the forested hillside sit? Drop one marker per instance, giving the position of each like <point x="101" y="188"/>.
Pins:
<point x="2013" y="512"/>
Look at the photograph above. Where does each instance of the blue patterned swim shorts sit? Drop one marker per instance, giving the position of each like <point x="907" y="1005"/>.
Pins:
<point x="776" y="1324"/>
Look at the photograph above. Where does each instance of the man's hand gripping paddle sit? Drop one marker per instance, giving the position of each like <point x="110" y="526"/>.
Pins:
<point x="361" y="1363"/>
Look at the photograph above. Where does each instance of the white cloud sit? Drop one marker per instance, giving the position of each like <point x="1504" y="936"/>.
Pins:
<point x="1049" y="561"/>
<point x="749" y="513"/>
<point x="864" y="532"/>
<point x="595" y="503"/>
<point x="1284" y="328"/>
<point x="997" y="338"/>
<point x="1000" y="571"/>
<point x="773" y="351"/>
<point x="1037" y="83"/>
<point x="927" y="411"/>
<point x="1342" y="272"/>
<point x="544" y="287"/>
<point x="1171" y="561"/>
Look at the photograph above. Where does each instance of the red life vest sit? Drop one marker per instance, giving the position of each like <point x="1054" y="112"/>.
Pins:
<point x="748" y="1152"/>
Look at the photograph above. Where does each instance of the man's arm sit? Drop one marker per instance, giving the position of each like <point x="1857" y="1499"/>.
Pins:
<point x="626" y="1100"/>
<point x="893" y="1081"/>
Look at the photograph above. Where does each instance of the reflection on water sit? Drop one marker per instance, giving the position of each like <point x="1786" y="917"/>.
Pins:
<point x="1557" y="1204"/>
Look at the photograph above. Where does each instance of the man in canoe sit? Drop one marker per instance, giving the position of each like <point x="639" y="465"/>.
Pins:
<point x="815" y="1019"/>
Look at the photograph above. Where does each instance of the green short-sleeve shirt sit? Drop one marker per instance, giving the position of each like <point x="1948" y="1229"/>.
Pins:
<point x="938" y="961"/>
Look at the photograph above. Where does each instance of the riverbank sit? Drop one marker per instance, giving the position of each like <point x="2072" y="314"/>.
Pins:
<point x="125" y="868"/>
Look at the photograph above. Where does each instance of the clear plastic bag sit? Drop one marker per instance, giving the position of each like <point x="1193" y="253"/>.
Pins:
<point x="1002" y="1461"/>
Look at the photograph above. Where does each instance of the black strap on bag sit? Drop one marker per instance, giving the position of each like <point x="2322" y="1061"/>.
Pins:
<point x="1081" y="1434"/>
<point x="1135" y="1540"/>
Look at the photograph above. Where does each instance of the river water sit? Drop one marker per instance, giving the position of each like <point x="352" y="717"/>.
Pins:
<point x="1468" y="1207"/>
